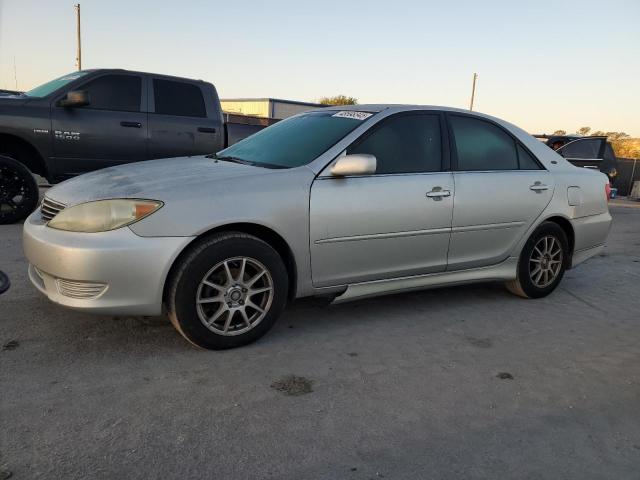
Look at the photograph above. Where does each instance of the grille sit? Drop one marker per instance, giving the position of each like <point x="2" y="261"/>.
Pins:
<point x="72" y="289"/>
<point x="50" y="208"/>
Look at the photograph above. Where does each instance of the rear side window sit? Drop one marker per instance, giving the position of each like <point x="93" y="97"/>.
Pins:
<point x="178" y="98"/>
<point x="527" y="162"/>
<point x="115" y="92"/>
<point x="404" y="144"/>
<point x="481" y="145"/>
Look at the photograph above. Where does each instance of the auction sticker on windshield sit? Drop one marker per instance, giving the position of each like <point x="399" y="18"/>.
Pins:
<point x="354" y="115"/>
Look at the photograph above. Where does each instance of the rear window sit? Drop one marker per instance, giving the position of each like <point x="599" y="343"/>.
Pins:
<point x="178" y="98"/>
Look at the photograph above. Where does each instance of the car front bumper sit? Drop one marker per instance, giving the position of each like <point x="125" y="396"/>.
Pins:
<point x="115" y="272"/>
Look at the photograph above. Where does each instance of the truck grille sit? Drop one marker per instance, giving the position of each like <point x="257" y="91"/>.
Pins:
<point x="50" y="208"/>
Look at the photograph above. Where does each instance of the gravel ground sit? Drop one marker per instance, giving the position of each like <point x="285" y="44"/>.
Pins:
<point x="466" y="382"/>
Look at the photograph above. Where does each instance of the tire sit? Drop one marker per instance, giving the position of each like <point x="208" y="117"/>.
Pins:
<point x="19" y="192"/>
<point x="551" y="257"/>
<point x="207" y="288"/>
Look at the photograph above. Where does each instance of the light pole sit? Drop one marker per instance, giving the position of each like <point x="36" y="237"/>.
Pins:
<point x="79" y="46"/>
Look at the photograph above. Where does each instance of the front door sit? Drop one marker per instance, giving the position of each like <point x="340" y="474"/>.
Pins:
<point x="385" y="225"/>
<point x="112" y="129"/>
<point x="500" y="191"/>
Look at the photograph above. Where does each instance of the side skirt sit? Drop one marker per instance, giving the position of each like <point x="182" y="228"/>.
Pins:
<point x="506" y="270"/>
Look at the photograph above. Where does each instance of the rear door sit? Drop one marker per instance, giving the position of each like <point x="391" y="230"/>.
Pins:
<point x="180" y="121"/>
<point x="112" y="129"/>
<point x="500" y="191"/>
<point x="393" y="223"/>
<point x="587" y="152"/>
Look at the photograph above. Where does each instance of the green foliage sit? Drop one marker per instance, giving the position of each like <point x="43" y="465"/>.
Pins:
<point x="338" y="100"/>
<point x="584" y="131"/>
<point x="560" y="132"/>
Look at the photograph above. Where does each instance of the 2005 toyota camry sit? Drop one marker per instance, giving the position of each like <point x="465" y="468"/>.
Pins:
<point x="339" y="202"/>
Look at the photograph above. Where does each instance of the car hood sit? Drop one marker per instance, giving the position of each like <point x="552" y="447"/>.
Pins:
<point x="153" y="179"/>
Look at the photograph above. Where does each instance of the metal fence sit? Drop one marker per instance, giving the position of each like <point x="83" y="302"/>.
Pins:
<point x="628" y="172"/>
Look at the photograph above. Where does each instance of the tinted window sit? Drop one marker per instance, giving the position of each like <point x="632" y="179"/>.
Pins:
<point x="404" y="144"/>
<point x="482" y="145"/>
<point x="582" y="148"/>
<point x="295" y="141"/>
<point x="114" y="92"/>
<point x="178" y="98"/>
<point x="527" y="162"/>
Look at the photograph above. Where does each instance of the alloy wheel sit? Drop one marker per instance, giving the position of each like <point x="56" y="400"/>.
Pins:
<point x="234" y="296"/>
<point x="545" y="262"/>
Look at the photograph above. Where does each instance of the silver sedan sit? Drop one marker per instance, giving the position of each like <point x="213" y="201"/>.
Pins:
<point x="344" y="202"/>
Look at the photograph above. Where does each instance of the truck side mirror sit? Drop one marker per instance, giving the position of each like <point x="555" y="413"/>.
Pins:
<point x="356" y="164"/>
<point x="75" y="98"/>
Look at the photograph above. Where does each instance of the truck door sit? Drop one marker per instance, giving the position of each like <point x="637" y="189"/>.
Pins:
<point x="181" y="122"/>
<point x="590" y="152"/>
<point x="111" y="129"/>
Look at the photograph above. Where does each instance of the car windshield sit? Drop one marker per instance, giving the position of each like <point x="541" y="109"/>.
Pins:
<point x="53" y="85"/>
<point x="296" y="141"/>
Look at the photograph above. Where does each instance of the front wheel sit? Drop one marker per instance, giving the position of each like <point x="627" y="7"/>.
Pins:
<point x="19" y="192"/>
<point x="228" y="291"/>
<point x="542" y="263"/>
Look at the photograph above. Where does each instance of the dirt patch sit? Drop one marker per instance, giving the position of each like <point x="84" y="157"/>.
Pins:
<point x="504" y="376"/>
<point x="293" y="385"/>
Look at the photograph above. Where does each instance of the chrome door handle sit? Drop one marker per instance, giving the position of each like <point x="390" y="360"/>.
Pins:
<point x="437" y="193"/>
<point x="538" y="187"/>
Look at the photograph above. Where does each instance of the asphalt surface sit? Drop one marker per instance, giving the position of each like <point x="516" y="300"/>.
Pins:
<point x="466" y="382"/>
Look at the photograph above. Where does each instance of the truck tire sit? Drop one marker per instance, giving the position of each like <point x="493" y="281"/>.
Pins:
<point x="19" y="192"/>
<point x="227" y="291"/>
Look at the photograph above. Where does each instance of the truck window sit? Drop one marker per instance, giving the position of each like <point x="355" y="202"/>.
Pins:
<point x="178" y="98"/>
<point x="114" y="92"/>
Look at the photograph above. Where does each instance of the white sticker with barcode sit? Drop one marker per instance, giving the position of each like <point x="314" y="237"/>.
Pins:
<point x="354" y="115"/>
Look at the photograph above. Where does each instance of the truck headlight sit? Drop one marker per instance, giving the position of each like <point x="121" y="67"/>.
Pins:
<point x="103" y="215"/>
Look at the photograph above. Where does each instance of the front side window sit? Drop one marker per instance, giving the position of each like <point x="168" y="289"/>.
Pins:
<point x="295" y="141"/>
<point x="404" y="144"/>
<point x="481" y="145"/>
<point x="178" y="98"/>
<point x="114" y="92"/>
<point x="583" y="148"/>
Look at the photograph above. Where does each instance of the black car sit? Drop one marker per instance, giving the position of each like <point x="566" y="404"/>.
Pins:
<point x="588" y="152"/>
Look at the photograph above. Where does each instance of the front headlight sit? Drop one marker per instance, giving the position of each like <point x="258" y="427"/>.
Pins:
<point x="103" y="215"/>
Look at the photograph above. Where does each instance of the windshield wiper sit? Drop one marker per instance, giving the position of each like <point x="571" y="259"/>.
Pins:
<point x="242" y="161"/>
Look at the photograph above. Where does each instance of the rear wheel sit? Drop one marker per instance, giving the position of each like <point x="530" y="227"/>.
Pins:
<point x="228" y="291"/>
<point x="542" y="262"/>
<point x="19" y="192"/>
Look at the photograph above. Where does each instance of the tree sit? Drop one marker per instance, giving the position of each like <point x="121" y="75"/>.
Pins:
<point x="584" y="131"/>
<point x="338" y="100"/>
<point x="560" y="132"/>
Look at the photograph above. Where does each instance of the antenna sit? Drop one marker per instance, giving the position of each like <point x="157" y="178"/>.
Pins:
<point x="79" y="47"/>
<point x="473" y="90"/>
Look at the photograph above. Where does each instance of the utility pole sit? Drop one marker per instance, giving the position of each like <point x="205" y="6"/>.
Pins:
<point x="15" y="72"/>
<point x="79" y="51"/>
<point x="473" y="90"/>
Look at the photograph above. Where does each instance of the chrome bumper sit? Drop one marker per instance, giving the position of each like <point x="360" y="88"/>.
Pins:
<point x="116" y="272"/>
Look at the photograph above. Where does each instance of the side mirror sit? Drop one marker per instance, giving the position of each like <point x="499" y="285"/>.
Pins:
<point x="356" y="164"/>
<point x="75" y="98"/>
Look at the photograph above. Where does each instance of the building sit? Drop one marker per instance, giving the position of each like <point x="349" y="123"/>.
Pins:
<point x="266" y="107"/>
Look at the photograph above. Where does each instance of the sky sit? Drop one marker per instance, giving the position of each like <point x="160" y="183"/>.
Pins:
<point x="543" y="65"/>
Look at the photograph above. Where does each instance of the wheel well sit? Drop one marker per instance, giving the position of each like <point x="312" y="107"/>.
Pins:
<point x="568" y="230"/>
<point x="24" y="152"/>
<point x="263" y="233"/>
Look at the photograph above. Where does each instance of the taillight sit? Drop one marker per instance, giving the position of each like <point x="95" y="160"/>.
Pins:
<point x="607" y="191"/>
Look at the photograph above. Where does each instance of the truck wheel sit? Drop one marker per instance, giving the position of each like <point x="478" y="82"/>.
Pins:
<point x="542" y="263"/>
<point x="228" y="291"/>
<point x="19" y="192"/>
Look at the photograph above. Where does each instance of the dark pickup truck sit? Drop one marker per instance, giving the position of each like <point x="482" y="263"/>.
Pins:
<point x="92" y="119"/>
